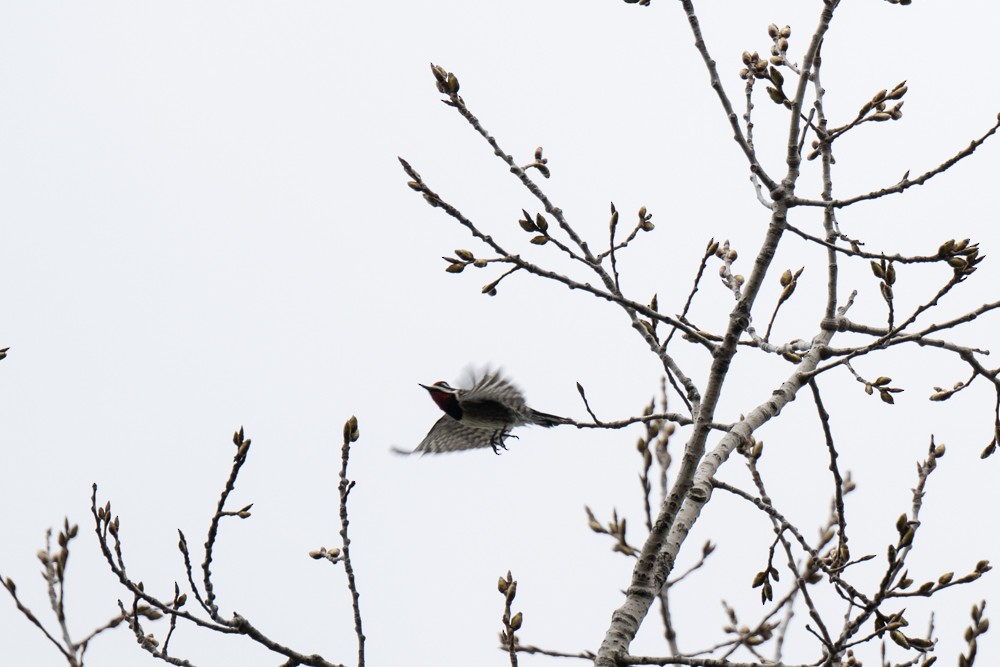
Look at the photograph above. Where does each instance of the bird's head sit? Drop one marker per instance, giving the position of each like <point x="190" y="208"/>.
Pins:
<point x="443" y="394"/>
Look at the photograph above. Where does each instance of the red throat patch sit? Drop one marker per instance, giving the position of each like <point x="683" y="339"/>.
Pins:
<point x="442" y="398"/>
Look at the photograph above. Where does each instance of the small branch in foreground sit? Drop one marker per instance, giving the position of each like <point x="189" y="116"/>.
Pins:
<point x="838" y="480"/>
<point x="108" y="529"/>
<point x="906" y="182"/>
<point x="351" y="434"/>
<point x="511" y="622"/>
<point x="54" y="574"/>
<point x="343" y="554"/>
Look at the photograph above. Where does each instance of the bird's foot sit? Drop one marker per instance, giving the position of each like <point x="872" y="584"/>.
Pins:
<point x="497" y="442"/>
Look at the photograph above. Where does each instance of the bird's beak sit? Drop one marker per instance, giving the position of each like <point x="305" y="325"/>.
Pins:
<point x="424" y="386"/>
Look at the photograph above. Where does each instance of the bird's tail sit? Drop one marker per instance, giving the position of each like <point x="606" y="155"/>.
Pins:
<point x="547" y="420"/>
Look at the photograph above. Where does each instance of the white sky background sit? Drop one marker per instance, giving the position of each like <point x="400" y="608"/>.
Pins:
<point x="205" y="226"/>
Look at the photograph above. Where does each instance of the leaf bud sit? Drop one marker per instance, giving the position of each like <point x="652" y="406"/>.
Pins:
<point x="897" y="93"/>
<point x="776" y="95"/>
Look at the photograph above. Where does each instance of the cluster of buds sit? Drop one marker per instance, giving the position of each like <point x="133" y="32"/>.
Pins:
<point x="876" y="106"/>
<point x="615" y="529"/>
<point x="104" y="517"/>
<point x="462" y="259"/>
<point x="756" y="67"/>
<point x="885" y="391"/>
<point x="780" y="38"/>
<point x="728" y="257"/>
<point x="980" y="625"/>
<point x="447" y="82"/>
<point x="644" y="220"/>
<point x="512" y="622"/>
<point x="885" y="272"/>
<point x="241" y="442"/>
<point x="762" y="580"/>
<point x="942" y="394"/>
<point x="537" y="224"/>
<point x="893" y="624"/>
<point x="962" y="256"/>
<point x="876" y="109"/>
<point x="332" y="555"/>
<point x="838" y="556"/>
<point x="539" y="164"/>
<point x="946" y="580"/>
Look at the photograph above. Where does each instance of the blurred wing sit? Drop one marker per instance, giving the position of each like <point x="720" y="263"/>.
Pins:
<point x="449" y="435"/>
<point x="492" y="385"/>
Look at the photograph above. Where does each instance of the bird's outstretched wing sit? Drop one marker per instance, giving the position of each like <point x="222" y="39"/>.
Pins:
<point x="449" y="435"/>
<point x="490" y="384"/>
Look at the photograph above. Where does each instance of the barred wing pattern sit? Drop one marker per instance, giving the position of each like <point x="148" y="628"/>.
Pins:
<point x="449" y="435"/>
<point x="493" y="386"/>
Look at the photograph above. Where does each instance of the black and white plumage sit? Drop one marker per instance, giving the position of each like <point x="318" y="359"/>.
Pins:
<point x="480" y="416"/>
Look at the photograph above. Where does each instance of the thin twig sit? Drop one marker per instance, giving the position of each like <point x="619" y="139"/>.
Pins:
<point x="904" y="184"/>
<point x="838" y="480"/>
<point x="351" y="434"/>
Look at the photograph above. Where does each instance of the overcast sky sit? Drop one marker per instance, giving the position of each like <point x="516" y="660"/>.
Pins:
<point x="204" y="225"/>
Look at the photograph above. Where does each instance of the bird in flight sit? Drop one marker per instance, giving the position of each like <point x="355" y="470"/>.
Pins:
<point x="481" y="416"/>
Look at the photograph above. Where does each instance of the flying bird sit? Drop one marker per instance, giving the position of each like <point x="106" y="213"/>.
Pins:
<point x="481" y="416"/>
